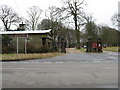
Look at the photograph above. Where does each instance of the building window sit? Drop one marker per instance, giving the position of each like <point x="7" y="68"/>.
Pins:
<point x="43" y="41"/>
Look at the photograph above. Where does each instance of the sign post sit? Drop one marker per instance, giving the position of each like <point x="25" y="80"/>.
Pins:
<point x="17" y="45"/>
<point x="25" y="45"/>
<point x="21" y="36"/>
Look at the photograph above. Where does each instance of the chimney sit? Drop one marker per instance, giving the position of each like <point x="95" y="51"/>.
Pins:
<point x="22" y="27"/>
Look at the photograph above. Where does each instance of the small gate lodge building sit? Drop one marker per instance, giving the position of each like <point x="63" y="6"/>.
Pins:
<point x="20" y="39"/>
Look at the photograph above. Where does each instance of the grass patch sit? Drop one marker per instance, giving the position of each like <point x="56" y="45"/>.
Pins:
<point x="19" y="57"/>
<point x="82" y="50"/>
<point x="113" y="49"/>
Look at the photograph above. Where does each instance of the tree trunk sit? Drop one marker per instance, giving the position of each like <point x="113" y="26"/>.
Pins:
<point x="77" y="33"/>
<point x="5" y="24"/>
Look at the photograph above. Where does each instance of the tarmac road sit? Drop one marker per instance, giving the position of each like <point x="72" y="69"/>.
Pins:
<point x="72" y="70"/>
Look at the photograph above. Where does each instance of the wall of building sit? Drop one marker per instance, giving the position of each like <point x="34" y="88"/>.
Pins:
<point x="34" y="43"/>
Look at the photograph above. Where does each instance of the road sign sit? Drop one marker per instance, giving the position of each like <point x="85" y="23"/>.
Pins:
<point x="21" y="35"/>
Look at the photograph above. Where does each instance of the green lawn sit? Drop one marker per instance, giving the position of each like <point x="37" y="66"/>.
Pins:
<point x="113" y="49"/>
<point x="82" y="50"/>
<point x="15" y="57"/>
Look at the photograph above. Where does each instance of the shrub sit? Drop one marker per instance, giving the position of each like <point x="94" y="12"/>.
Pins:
<point x="37" y="48"/>
<point x="8" y="49"/>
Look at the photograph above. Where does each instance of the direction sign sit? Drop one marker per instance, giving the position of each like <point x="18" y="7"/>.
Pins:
<point x="21" y="35"/>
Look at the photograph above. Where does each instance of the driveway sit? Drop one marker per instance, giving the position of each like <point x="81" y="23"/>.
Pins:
<point x="73" y="70"/>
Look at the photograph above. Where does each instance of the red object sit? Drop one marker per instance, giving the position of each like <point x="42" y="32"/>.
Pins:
<point x="94" y="45"/>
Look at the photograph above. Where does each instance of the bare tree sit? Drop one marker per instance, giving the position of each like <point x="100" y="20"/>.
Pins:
<point x="53" y="15"/>
<point x="91" y="29"/>
<point x="74" y="9"/>
<point x="115" y="19"/>
<point x="8" y="16"/>
<point x="116" y="22"/>
<point x="34" y="16"/>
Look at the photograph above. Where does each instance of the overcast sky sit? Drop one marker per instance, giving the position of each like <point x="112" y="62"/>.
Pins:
<point x="102" y="10"/>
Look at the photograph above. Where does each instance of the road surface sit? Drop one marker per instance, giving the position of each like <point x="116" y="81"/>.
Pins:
<point x="72" y="70"/>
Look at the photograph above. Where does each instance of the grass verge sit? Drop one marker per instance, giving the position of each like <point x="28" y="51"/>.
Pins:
<point x="113" y="49"/>
<point x="19" y="57"/>
<point x="82" y="50"/>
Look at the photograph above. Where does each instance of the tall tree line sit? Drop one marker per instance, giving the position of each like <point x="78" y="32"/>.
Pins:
<point x="55" y="18"/>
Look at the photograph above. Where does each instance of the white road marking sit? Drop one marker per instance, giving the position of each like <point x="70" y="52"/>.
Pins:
<point x="47" y="62"/>
<point x="19" y="68"/>
<point x="59" y="62"/>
